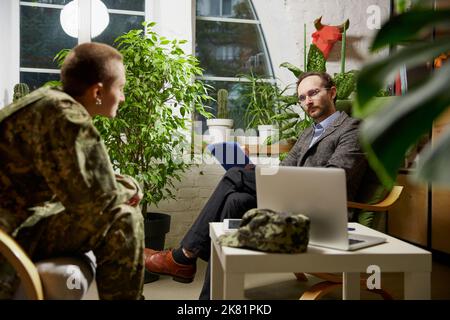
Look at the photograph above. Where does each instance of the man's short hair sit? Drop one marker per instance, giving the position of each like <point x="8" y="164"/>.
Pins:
<point x="87" y="64"/>
<point x="327" y="81"/>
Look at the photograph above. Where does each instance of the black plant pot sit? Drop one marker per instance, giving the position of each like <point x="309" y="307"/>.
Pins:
<point x="156" y="225"/>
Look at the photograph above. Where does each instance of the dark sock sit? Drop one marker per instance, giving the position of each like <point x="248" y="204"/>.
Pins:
<point x="180" y="258"/>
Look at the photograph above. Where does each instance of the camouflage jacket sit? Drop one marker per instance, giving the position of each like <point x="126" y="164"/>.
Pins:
<point x="53" y="159"/>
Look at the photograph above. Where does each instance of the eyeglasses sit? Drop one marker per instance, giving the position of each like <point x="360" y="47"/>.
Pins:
<point x="311" y="94"/>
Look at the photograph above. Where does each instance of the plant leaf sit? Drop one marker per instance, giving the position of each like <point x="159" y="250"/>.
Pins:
<point x="294" y="69"/>
<point x="372" y="77"/>
<point x="407" y="25"/>
<point x="366" y="218"/>
<point x="345" y="84"/>
<point x="387" y="135"/>
<point x="433" y="165"/>
<point x="373" y="106"/>
<point x="316" y="60"/>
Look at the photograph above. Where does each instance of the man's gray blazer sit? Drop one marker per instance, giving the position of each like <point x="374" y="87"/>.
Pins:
<point x="337" y="147"/>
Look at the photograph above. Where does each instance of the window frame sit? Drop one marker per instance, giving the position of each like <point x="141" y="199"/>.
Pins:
<point x="84" y="31"/>
<point x="237" y="20"/>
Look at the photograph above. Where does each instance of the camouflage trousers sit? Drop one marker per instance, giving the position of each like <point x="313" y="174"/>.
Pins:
<point x="116" y="237"/>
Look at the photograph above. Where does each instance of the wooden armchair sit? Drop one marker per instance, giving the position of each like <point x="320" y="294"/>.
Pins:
<point x="24" y="267"/>
<point x="331" y="280"/>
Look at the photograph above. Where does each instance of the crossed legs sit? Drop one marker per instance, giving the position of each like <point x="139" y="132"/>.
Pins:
<point x="234" y="195"/>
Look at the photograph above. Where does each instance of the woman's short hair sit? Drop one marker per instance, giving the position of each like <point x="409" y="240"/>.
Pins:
<point x="87" y="64"/>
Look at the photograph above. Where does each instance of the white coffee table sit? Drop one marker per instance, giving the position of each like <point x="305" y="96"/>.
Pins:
<point x="229" y="265"/>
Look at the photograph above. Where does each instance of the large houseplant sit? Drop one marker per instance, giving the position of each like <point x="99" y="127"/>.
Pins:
<point x="149" y="136"/>
<point x="148" y="139"/>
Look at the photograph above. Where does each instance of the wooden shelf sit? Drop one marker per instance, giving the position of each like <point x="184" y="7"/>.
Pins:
<point x="269" y="150"/>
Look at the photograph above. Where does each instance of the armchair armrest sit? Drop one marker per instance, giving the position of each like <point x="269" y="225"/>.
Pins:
<point x="24" y="267"/>
<point x="383" y="205"/>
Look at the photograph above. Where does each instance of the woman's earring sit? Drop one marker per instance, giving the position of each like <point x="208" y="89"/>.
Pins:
<point x="98" y="102"/>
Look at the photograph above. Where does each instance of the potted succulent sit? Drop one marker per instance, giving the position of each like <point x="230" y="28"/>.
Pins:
<point x="20" y="90"/>
<point x="219" y="127"/>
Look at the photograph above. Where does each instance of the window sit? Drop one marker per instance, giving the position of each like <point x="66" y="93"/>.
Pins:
<point x="42" y="37"/>
<point x="229" y="43"/>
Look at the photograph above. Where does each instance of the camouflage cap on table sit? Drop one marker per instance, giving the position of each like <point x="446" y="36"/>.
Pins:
<point x="270" y="231"/>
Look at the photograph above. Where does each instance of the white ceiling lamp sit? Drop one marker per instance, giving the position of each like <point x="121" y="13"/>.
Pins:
<point x="70" y="18"/>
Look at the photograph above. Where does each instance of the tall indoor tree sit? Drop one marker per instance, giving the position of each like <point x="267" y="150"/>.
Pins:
<point x="149" y="138"/>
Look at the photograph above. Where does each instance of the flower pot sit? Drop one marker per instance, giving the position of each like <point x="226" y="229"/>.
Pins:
<point x="265" y="131"/>
<point x="156" y="225"/>
<point x="219" y="129"/>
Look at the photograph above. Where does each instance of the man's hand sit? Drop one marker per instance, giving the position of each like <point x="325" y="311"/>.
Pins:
<point x="249" y="167"/>
<point x="246" y="150"/>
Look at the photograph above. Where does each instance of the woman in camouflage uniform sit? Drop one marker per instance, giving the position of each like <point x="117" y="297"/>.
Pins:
<point x="59" y="195"/>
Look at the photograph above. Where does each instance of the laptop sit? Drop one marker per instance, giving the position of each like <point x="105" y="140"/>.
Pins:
<point x="318" y="193"/>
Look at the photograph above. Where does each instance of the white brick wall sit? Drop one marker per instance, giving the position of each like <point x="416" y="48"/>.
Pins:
<point x="283" y="22"/>
<point x="192" y="193"/>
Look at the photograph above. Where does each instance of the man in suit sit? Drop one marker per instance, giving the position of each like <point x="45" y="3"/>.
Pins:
<point x="331" y="142"/>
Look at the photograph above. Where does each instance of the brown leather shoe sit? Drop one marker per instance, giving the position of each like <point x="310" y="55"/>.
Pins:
<point x="161" y="262"/>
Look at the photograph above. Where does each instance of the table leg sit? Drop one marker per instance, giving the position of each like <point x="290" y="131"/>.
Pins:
<point x="350" y="286"/>
<point x="233" y="286"/>
<point x="417" y="285"/>
<point x="216" y="275"/>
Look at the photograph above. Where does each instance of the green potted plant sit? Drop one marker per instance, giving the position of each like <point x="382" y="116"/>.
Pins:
<point x="272" y="111"/>
<point x="290" y="121"/>
<point x="260" y="98"/>
<point x="149" y="138"/>
<point x="220" y="126"/>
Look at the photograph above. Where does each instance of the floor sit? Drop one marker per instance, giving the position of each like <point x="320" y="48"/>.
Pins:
<point x="284" y="286"/>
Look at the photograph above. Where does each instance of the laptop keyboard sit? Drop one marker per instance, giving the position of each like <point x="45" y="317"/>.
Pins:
<point x="353" y="241"/>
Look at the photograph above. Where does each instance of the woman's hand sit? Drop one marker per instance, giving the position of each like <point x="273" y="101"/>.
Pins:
<point x="135" y="200"/>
